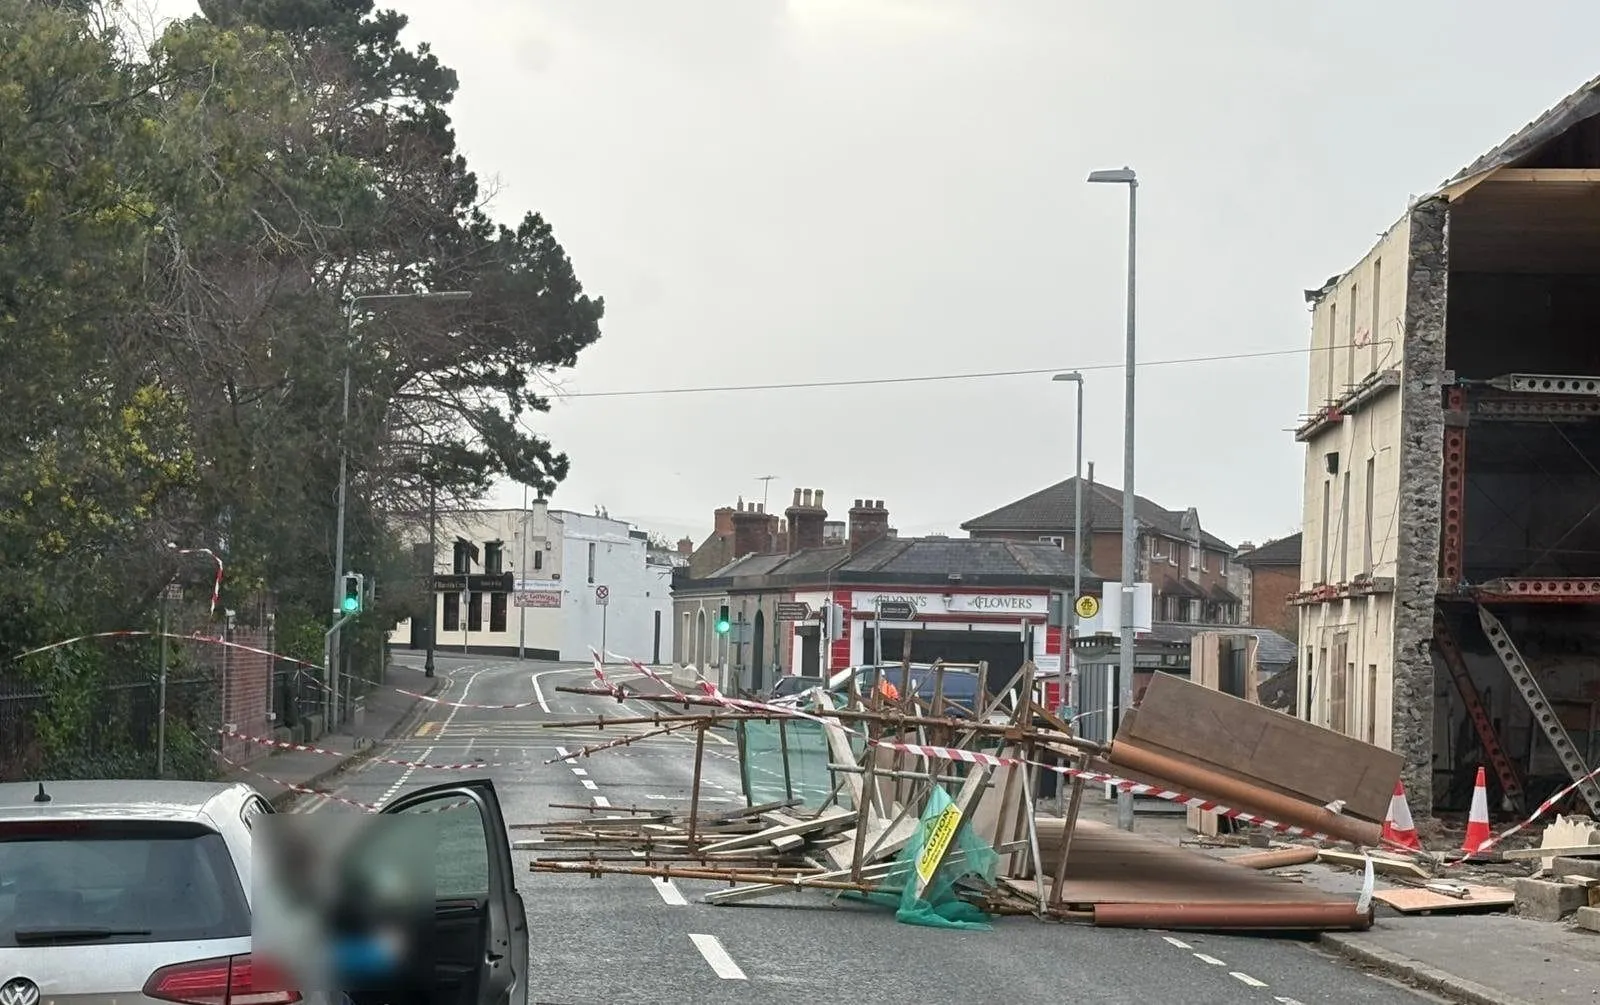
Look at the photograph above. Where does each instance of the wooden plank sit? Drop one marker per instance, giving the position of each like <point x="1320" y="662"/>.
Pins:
<point x="1571" y="851"/>
<point x="1568" y="176"/>
<point x="1380" y="863"/>
<point x="1478" y="898"/>
<point x="763" y="836"/>
<point x="1255" y="743"/>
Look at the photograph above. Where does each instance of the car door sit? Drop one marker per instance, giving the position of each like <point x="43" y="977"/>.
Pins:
<point x="480" y="924"/>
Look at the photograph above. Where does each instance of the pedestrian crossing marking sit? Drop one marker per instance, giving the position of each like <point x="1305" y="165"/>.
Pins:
<point x="427" y="728"/>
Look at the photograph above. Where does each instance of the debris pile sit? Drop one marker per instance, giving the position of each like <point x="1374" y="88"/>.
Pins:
<point x="921" y="791"/>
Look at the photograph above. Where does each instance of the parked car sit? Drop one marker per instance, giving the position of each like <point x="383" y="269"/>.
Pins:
<point x="960" y="687"/>
<point x="792" y="686"/>
<point x="142" y="891"/>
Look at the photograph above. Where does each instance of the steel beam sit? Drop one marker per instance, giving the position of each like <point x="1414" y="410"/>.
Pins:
<point x="1548" y="590"/>
<point x="1537" y="409"/>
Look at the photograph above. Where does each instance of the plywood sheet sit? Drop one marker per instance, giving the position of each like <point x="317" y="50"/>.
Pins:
<point x="1254" y="743"/>
<point x="1415" y="901"/>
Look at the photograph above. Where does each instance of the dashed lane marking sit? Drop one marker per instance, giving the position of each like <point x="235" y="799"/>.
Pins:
<point x="580" y="772"/>
<point x="1203" y="958"/>
<point x="711" y="949"/>
<point x="443" y="728"/>
<point x="1246" y="978"/>
<point x="1175" y="942"/>
<point x="602" y="802"/>
<point x="1281" y="1000"/>
<point x="589" y="784"/>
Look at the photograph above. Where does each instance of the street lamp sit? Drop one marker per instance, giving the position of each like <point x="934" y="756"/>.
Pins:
<point x="1126" y="176"/>
<point x="1069" y="668"/>
<point x="350" y="305"/>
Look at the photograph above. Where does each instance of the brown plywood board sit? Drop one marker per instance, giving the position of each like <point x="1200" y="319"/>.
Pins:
<point x="1478" y="898"/>
<point x="1255" y="743"/>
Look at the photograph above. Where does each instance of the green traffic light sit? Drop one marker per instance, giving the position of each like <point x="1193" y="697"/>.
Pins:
<point x="722" y="627"/>
<point x="351" y="604"/>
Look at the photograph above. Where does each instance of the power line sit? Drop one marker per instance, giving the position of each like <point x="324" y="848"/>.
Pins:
<point x="973" y="375"/>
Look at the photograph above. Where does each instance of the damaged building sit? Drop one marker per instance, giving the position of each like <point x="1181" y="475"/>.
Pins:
<point x="1449" y="603"/>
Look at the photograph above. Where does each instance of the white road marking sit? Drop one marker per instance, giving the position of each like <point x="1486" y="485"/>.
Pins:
<point x="443" y="727"/>
<point x="580" y="772"/>
<point x="602" y="802"/>
<point x="669" y="893"/>
<point x="1175" y="942"/>
<point x="589" y="784"/>
<point x="1203" y="958"/>
<point x="1281" y="1000"/>
<point x="720" y="961"/>
<point x="1247" y="979"/>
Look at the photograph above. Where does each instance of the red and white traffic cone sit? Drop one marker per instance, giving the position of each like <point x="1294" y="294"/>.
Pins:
<point x="1399" y="831"/>
<point x="1478" y="819"/>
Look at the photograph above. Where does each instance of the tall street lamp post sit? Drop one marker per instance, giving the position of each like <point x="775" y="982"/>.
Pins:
<point x="1069" y="665"/>
<point x="1126" y="176"/>
<point x="344" y="442"/>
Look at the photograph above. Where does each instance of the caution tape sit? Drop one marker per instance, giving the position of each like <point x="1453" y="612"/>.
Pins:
<point x="306" y="748"/>
<point x="1544" y="807"/>
<point x="294" y="787"/>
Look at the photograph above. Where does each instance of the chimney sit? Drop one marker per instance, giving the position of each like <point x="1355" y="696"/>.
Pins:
<point x="780" y="540"/>
<point x="750" y="532"/>
<point x="869" y="522"/>
<point x="723" y="521"/>
<point x="1091" y="472"/>
<point x="686" y="546"/>
<point x="806" y="518"/>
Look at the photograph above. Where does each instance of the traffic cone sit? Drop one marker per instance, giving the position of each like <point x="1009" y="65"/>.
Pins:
<point x="1398" y="829"/>
<point x="1478" y="819"/>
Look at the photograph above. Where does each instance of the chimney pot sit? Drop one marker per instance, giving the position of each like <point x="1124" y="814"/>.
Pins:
<point x="817" y="502"/>
<point x="796" y="497"/>
<point x="806" y="499"/>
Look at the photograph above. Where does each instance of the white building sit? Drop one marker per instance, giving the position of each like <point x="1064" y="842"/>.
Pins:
<point x="548" y="583"/>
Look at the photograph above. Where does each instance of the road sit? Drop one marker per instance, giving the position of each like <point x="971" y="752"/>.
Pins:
<point x="631" y="938"/>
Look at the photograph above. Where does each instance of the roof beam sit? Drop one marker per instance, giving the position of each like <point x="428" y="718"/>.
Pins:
<point x="1558" y="176"/>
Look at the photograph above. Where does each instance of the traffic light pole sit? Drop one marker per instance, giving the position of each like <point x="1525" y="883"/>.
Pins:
<point x="330" y="691"/>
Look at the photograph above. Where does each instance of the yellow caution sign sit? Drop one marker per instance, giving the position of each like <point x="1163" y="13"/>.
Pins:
<point x="940" y="835"/>
<point x="1087" y="606"/>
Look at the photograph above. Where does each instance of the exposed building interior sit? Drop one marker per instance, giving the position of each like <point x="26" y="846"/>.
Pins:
<point x="1518" y="625"/>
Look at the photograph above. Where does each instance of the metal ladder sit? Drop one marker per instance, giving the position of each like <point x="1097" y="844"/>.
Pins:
<point x="1510" y="784"/>
<point x="1540" y="707"/>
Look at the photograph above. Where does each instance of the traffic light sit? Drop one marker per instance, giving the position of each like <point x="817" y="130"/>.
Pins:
<point x="835" y="621"/>
<point x="353" y="583"/>
<point x="724" y="622"/>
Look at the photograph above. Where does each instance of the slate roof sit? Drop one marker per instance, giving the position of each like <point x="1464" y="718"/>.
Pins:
<point x="1273" y="651"/>
<point x="1284" y="551"/>
<point x="906" y="560"/>
<point x="1581" y="104"/>
<point x="1049" y="510"/>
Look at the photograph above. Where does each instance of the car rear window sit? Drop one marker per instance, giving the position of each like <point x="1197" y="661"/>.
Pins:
<point x="93" y="882"/>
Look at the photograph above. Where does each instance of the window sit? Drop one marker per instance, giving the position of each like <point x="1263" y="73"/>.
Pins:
<point x="1344" y="531"/>
<point x="1350" y="349"/>
<point x="145" y="881"/>
<point x="1372" y="703"/>
<point x="452" y="612"/>
<point x="591" y="561"/>
<point x="1194" y="557"/>
<point x="497" y="612"/>
<point x="1327" y="491"/>
<point x="253" y="807"/>
<point x="538" y="560"/>
<point x="494" y="558"/>
<point x="461" y="562"/>
<point x="1222" y="562"/>
<point x="1205" y="560"/>
<point x="1366" y="537"/>
<point x="1377" y="319"/>
<point x="1059" y="542"/>
<point x="462" y="854"/>
<point x="475" y="612"/>
<point x="1333" y="342"/>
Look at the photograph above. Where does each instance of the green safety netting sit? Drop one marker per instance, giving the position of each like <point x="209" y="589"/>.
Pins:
<point x="785" y="759"/>
<point x="967" y="856"/>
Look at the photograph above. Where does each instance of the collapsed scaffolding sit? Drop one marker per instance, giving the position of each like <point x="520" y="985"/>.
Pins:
<point x="900" y="797"/>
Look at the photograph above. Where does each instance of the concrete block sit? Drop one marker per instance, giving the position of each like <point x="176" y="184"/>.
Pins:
<point x="1588" y="918"/>
<point x="1589" y="867"/>
<point x="1543" y="900"/>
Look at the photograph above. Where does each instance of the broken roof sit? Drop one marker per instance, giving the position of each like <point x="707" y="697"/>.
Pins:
<point x="1051" y="510"/>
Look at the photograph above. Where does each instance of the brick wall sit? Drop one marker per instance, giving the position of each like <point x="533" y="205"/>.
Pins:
<point x="244" y="680"/>
<point x="1270" y="589"/>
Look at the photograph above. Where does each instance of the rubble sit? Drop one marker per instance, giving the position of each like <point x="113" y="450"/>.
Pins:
<point x="901" y="801"/>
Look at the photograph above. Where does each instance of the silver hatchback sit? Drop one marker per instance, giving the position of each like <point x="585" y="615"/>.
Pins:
<point x="141" y="891"/>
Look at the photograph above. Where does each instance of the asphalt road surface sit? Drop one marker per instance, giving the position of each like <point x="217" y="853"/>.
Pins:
<point x="636" y="939"/>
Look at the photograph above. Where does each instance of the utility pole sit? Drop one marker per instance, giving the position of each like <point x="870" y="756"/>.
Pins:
<point x="522" y="570"/>
<point x="161" y="691"/>
<point x="433" y="563"/>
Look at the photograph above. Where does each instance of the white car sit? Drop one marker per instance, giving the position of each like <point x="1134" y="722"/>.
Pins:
<point x="141" y="891"/>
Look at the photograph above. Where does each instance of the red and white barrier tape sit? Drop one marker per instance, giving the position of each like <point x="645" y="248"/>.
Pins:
<point x="306" y="748"/>
<point x="216" y="584"/>
<point x="293" y="787"/>
<point x="1544" y="807"/>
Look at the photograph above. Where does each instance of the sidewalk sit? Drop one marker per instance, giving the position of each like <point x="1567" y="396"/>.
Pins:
<point x="388" y="713"/>
<point x="1484" y="959"/>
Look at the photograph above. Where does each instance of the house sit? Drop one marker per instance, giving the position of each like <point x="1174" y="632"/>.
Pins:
<point x="1268" y="576"/>
<point x="545" y="583"/>
<point x="1453" y="418"/>
<point x="1186" y="566"/>
<point x="972" y="599"/>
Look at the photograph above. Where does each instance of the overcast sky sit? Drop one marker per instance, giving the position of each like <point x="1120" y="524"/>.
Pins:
<point x="770" y="191"/>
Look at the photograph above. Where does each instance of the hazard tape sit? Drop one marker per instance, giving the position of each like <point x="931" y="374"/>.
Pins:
<point x="306" y="748"/>
<point x="1544" y="807"/>
<point x="216" y="584"/>
<point x="294" y="787"/>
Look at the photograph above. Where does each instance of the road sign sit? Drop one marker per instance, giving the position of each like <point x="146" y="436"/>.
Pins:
<point x="896" y="610"/>
<point x="602" y="595"/>
<point x="1087" y="606"/>
<point x="794" y="610"/>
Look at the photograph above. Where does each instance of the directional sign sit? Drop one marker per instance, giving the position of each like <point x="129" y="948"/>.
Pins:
<point x="1087" y="606"/>
<point x="896" y="610"/>
<point x="602" y="595"/>
<point x="794" y="610"/>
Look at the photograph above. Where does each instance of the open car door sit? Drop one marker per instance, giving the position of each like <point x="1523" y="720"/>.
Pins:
<point x="480" y="946"/>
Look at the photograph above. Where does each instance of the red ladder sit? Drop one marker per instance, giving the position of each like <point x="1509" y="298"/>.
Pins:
<point x="1510" y="784"/>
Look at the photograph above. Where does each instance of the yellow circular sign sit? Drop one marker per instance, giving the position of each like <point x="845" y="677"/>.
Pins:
<point x="1087" y="606"/>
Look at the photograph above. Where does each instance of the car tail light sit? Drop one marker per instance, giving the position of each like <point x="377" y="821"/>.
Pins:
<point x="225" y="980"/>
